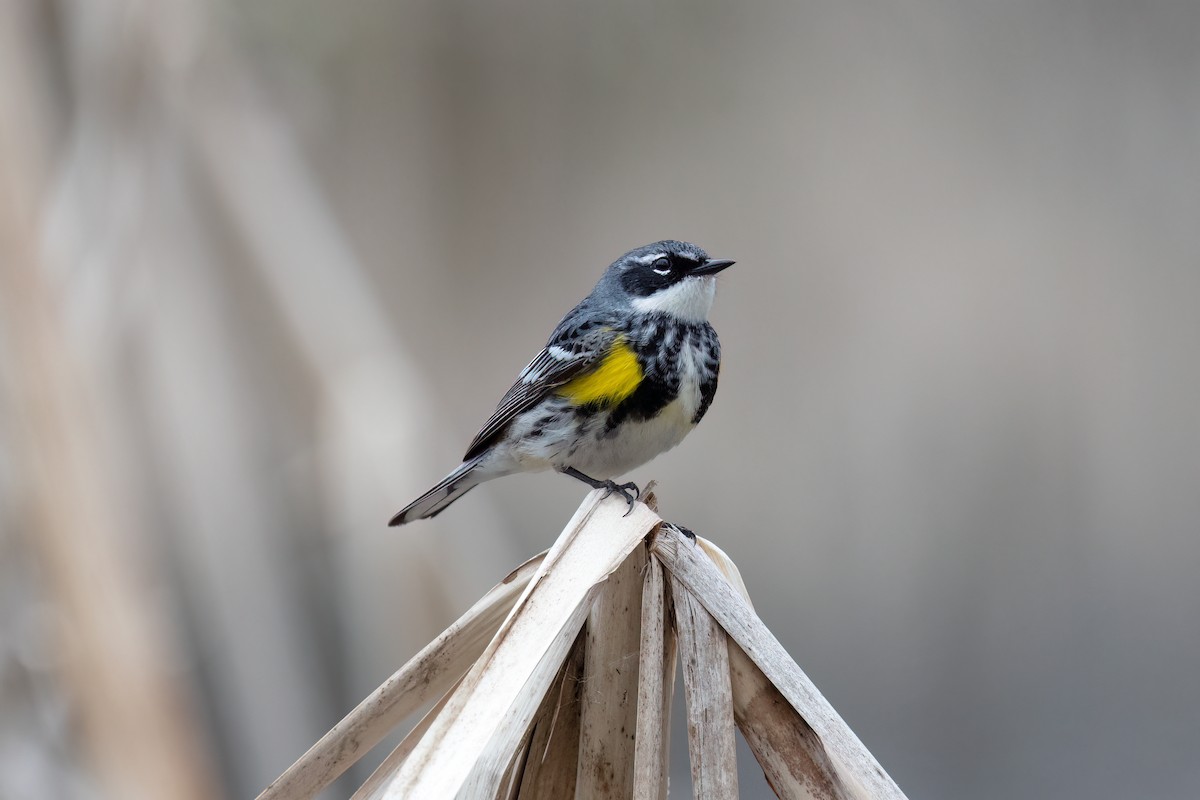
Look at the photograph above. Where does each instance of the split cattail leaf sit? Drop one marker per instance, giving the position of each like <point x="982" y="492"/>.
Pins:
<point x="725" y="566"/>
<point x="653" y="709"/>
<point x="610" y="695"/>
<point x="372" y="789"/>
<point x="553" y="753"/>
<point x="426" y="675"/>
<point x="705" y="658"/>
<point x="791" y="755"/>
<point x="472" y="741"/>
<point x="859" y="772"/>
<point x="571" y="697"/>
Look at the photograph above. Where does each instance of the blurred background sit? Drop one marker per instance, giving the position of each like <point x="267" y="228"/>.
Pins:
<point x="265" y="266"/>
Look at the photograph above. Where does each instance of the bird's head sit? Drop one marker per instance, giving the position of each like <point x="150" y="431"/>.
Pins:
<point x="668" y="277"/>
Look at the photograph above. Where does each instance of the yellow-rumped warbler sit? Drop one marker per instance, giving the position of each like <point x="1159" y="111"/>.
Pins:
<point x="625" y="376"/>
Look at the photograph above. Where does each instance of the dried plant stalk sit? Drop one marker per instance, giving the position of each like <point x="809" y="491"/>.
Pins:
<point x="725" y="566"/>
<point x="510" y="782"/>
<point x="709" y="697"/>
<point x="859" y="772"/>
<point x="790" y="753"/>
<point x="553" y="754"/>
<point x="79" y="519"/>
<point x="372" y="788"/>
<point x="610" y="693"/>
<point x="554" y="709"/>
<point x="470" y="744"/>
<point x="650" y="757"/>
<point x="426" y="675"/>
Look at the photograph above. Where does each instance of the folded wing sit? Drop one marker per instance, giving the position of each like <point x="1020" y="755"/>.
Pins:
<point x="557" y="364"/>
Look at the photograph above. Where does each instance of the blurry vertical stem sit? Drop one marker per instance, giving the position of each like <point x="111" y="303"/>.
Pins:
<point x="119" y="659"/>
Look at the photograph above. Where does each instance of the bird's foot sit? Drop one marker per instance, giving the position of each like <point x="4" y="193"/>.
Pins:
<point x="629" y="491"/>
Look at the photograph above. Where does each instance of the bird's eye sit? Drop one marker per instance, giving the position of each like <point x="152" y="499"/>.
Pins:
<point x="662" y="266"/>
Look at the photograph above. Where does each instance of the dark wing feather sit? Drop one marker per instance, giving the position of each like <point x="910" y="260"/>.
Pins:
<point x="557" y="364"/>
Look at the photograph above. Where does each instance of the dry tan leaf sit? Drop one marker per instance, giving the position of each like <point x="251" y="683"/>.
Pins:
<point x="709" y="698"/>
<point x="553" y="757"/>
<point x="860" y="774"/>
<point x="548" y="708"/>
<point x="472" y="741"/>
<point x="790" y="753"/>
<point x="425" y="676"/>
<point x="372" y="789"/>
<point x="725" y="566"/>
<point x="610" y="688"/>
<point x="650" y="756"/>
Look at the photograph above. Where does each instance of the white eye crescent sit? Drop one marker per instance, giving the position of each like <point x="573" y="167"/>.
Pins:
<point x="662" y="266"/>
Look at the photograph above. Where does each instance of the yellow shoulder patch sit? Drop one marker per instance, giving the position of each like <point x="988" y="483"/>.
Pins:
<point x="616" y="377"/>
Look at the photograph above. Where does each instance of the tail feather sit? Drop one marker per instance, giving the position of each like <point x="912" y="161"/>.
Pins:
<point x="433" y="502"/>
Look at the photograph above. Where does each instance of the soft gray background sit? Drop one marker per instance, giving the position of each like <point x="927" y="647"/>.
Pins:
<point x="304" y="246"/>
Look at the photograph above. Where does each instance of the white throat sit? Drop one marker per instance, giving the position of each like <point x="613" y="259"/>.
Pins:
<point x="689" y="300"/>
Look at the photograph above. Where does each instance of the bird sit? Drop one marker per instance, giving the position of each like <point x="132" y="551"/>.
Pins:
<point x="625" y="376"/>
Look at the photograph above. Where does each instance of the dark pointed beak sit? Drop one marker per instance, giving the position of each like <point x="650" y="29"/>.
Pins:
<point x="712" y="266"/>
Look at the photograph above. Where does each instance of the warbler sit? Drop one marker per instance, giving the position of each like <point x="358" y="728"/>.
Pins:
<point x="625" y="376"/>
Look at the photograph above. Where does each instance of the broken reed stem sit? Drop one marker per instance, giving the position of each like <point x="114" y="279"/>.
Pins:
<point x="571" y="697"/>
<point x="610" y="693"/>
<point x="709" y="697"/>
<point x="427" y="675"/>
<point x="470" y="744"/>
<point x="653" y="703"/>
<point x="553" y="753"/>
<point x="859" y="772"/>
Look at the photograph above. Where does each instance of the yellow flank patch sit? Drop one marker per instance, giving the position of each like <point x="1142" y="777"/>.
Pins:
<point x="617" y="377"/>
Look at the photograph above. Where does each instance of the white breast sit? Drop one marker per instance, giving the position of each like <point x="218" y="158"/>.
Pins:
<point x="637" y="442"/>
<point x="634" y="443"/>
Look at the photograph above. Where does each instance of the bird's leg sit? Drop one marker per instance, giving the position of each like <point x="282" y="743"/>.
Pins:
<point x="629" y="491"/>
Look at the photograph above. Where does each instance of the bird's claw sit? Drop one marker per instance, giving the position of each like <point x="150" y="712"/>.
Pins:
<point x="629" y="491"/>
